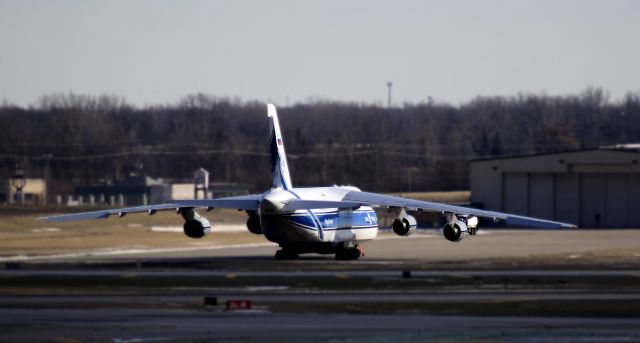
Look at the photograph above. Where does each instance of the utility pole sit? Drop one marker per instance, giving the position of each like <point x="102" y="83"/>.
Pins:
<point x="47" y="177"/>
<point x="389" y="85"/>
<point x="139" y="166"/>
<point x="228" y="165"/>
<point x="377" y="152"/>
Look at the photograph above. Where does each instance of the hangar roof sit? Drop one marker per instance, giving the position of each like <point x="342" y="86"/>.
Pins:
<point x="600" y="160"/>
<point x="617" y="148"/>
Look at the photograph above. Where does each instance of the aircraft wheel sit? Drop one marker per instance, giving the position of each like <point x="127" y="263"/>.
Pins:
<point x="286" y="255"/>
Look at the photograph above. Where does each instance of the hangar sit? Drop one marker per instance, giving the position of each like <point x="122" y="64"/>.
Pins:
<point x="591" y="188"/>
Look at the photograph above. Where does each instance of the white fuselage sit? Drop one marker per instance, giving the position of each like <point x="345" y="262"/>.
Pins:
<point x="329" y="225"/>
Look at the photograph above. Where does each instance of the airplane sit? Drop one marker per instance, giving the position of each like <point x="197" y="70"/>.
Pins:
<point x="323" y="220"/>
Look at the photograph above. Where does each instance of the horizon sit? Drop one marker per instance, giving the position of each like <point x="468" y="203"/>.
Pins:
<point x="606" y="96"/>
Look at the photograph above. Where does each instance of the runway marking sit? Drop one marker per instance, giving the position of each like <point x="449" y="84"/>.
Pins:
<point x="138" y="340"/>
<point x="46" y="229"/>
<point x="66" y="340"/>
<point x="266" y="288"/>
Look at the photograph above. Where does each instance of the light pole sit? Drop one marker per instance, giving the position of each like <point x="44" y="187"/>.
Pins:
<point x="47" y="177"/>
<point x="389" y="85"/>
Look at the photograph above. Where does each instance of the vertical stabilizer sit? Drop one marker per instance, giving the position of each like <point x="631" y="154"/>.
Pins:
<point x="279" y="167"/>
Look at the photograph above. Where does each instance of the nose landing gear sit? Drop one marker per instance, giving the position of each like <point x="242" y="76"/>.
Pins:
<point x="349" y="253"/>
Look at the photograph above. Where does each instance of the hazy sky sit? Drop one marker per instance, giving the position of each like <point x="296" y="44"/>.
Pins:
<point x="159" y="51"/>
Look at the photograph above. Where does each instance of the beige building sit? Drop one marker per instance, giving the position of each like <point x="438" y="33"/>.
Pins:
<point x="34" y="192"/>
<point x="590" y="188"/>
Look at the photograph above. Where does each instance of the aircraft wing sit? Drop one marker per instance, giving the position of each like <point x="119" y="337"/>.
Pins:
<point x="380" y="200"/>
<point x="243" y="202"/>
<point x="246" y="202"/>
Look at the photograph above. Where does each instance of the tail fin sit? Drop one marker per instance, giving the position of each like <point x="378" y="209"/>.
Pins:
<point x="279" y="167"/>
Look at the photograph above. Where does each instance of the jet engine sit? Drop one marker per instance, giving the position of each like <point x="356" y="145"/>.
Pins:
<point x="405" y="224"/>
<point x="253" y="223"/>
<point x="195" y="226"/>
<point x="459" y="226"/>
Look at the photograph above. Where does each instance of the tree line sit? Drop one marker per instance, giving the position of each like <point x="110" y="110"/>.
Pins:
<point x="416" y="147"/>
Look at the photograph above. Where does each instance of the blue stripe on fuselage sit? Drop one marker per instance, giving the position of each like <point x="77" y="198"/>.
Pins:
<point x="306" y="223"/>
<point x="314" y="218"/>
<point x="330" y="220"/>
<point x="360" y="219"/>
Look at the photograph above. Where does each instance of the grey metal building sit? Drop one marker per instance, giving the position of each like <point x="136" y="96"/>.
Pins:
<point x="134" y="190"/>
<point x="591" y="188"/>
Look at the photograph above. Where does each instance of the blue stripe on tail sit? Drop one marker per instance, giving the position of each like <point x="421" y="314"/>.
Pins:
<point x="279" y="167"/>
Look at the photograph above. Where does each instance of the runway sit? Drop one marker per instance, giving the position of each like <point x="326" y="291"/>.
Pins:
<point x="205" y="326"/>
<point x="323" y="273"/>
<point x="278" y="295"/>
<point x="381" y="290"/>
<point x="500" y="286"/>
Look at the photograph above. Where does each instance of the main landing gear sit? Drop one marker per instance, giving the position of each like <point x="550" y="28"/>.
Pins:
<point x="349" y="253"/>
<point x="343" y="253"/>
<point x="286" y="255"/>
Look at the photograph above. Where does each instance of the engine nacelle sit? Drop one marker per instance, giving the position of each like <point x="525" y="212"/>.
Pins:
<point x="195" y="226"/>
<point x="456" y="228"/>
<point x="253" y="224"/>
<point x="405" y="224"/>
